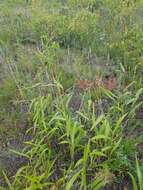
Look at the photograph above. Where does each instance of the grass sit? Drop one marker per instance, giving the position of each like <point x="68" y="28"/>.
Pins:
<point x="71" y="90"/>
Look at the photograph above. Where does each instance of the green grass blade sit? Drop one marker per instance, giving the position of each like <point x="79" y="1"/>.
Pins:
<point x="139" y="174"/>
<point x="135" y="187"/>
<point x="72" y="180"/>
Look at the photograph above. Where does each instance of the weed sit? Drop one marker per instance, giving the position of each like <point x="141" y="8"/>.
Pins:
<point x="71" y="92"/>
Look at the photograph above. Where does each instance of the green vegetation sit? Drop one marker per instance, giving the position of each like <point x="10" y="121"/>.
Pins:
<point x="71" y="94"/>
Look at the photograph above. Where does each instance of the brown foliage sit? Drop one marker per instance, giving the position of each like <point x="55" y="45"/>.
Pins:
<point x="110" y="83"/>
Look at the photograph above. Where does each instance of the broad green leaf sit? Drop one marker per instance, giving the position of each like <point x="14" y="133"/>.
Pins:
<point x="97" y="184"/>
<point x="106" y="148"/>
<point x="139" y="174"/>
<point x="99" y="137"/>
<point x="118" y="123"/>
<point x="98" y="153"/>
<point x="116" y="145"/>
<point x="135" y="187"/>
<point x="97" y="121"/>
<point x="64" y="142"/>
<point x="72" y="180"/>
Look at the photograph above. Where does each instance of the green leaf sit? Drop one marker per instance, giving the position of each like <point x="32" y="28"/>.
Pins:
<point x="82" y="115"/>
<point x="97" y="121"/>
<point x="106" y="148"/>
<point x="64" y="142"/>
<point x="135" y="187"/>
<point x="85" y="159"/>
<point x="116" y="145"/>
<point x="139" y="92"/>
<point x="72" y="180"/>
<point x="7" y="181"/>
<point x="139" y="174"/>
<point x="19" y="153"/>
<point x="98" y="184"/>
<point x="79" y="162"/>
<point x="109" y="94"/>
<point x="118" y="123"/>
<point x="98" y="153"/>
<point x="98" y="137"/>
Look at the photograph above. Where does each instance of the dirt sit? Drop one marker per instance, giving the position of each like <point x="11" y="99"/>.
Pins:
<point x="12" y="137"/>
<point x="140" y="113"/>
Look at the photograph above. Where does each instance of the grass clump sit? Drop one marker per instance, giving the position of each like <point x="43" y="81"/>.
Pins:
<point x="71" y="95"/>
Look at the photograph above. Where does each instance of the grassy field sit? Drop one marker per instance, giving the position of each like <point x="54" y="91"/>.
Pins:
<point x="71" y="95"/>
